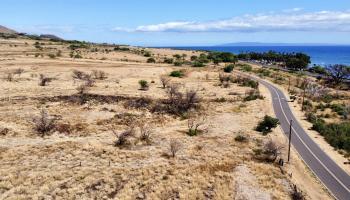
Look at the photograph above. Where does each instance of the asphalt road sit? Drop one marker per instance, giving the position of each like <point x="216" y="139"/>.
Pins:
<point x="336" y="180"/>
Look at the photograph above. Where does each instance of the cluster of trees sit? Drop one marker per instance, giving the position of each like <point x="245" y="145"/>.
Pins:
<point x="296" y="61"/>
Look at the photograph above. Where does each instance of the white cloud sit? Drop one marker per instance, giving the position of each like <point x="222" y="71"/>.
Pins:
<point x="331" y="21"/>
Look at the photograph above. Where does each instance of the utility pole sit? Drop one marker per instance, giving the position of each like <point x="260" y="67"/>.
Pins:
<point x="290" y="138"/>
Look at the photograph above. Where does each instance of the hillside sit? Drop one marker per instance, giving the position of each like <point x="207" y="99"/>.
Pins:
<point x="5" y="30"/>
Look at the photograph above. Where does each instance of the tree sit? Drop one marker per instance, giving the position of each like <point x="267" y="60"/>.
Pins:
<point x="296" y="63"/>
<point x="337" y="74"/>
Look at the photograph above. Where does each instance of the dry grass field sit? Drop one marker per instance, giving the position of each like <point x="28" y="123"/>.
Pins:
<point x="115" y="140"/>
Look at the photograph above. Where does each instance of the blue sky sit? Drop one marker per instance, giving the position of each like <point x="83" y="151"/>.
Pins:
<point x="182" y="22"/>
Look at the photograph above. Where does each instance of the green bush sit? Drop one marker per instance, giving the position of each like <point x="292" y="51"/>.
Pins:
<point x="253" y="95"/>
<point x="340" y="109"/>
<point x="197" y="64"/>
<point x="168" y="60"/>
<point x="337" y="135"/>
<point x="178" y="63"/>
<point x="264" y="72"/>
<point x="143" y="84"/>
<point x="241" y="138"/>
<point x="229" y="68"/>
<point x="147" y="54"/>
<point x="246" y="68"/>
<point x="266" y="125"/>
<point x="177" y="73"/>
<point x="151" y="60"/>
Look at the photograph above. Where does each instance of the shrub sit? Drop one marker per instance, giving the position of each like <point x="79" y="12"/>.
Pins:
<point x="151" y="60"/>
<point x="52" y="56"/>
<point x="246" y="82"/>
<point x="266" y="125"/>
<point x="252" y="95"/>
<point x="168" y="60"/>
<point x="307" y="105"/>
<point x="178" y="63"/>
<point x="197" y="64"/>
<point x="194" y="125"/>
<point x="9" y="77"/>
<point x="193" y="58"/>
<point x="241" y="138"/>
<point x="143" y="85"/>
<point x="99" y="74"/>
<point x="229" y="68"/>
<point x="43" y="123"/>
<point x="224" y="78"/>
<point x="145" y="132"/>
<point x="174" y="147"/>
<point x="43" y="80"/>
<point x="123" y="138"/>
<point x="164" y="80"/>
<point x="147" y="54"/>
<point x="264" y="72"/>
<point x="177" y="73"/>
<point x="271" y="151"/>
<point x="297" y="194"/>
<point x="18" y="71"/>
<point x="246" y="68"/>
<point x="79" y="74"/>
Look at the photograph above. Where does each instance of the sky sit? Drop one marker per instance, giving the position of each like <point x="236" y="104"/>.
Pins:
<point x="182" y="22"/>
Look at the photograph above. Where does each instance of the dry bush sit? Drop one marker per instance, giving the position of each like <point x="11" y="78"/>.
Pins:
<point x="271" y="150"/>
<point x="139" y="103"/>
<point x="164" y="79"/>
<point x="297" y="194"/>
<point x="43" y="80"/>
<point x="79" y="75"/>
<point x="178" y="102"/>
<point x="4" y="131"/>
<point x="63" y="128"/>
<point x="18" y="71"/>
<point x="195" y="125"/>
<point x="82" y="93"/>
<point x="145" y="132"/>
<point x="224" y="78"/>
<point x="174" y="147"/>
<point x="43" y="123"/>
<point x="9" y="77"/>
<point x="123" y="139"/>
<point x="99" y="74"/>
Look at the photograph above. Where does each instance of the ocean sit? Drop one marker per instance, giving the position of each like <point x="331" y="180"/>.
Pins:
<point x="320" y="55"/>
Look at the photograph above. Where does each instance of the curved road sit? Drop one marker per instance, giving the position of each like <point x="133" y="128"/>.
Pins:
<point x="329" y="173"/>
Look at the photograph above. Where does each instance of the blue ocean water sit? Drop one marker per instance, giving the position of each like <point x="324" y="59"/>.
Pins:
<point x="320" y="55"/>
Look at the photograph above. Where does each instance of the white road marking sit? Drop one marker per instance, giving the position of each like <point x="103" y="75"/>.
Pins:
<point x="296" y="133"/>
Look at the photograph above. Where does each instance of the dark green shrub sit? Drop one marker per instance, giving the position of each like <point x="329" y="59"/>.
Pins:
<point x="253" y="95"/>
<point x="241" y="138"/>
<point x="197" y="64"/>
<point x="168" y="60"/>
<point x="151" y="60"/>
<point x="339" y="109"/>
<point x="266" y="125"/>
<point x="229" y="68"/>
<point x="147" y="54"/>
<point x="307" y="105"/>
<point x="178" y="63"/>
<point x="143" y="84"/>
<point x="177" y="73"/>
<point x="52" y="56"/>
<point x="246" y="68"/>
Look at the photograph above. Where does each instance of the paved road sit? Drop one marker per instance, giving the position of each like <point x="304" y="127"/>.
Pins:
<point x="331" y="175"/>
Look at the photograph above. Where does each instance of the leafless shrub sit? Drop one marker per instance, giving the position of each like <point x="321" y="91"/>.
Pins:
<point x="43" y="123"/>
<point x="271" y="151"/>
<point x="145" y="132"/>
<point x="315" y="91"/>
<point x="224" y="78"/>
<point x="123" y="138"/>
<point x="174" y="147"/>
<point x="173" y="92"/>
<point x="82" y="93"/>
<point x="89" y="82"/>
<point x="139" y="103"/>
<point x="9" y="77"/>
<point x="79" y="75"/>
<point x="164" y="80"/>
<point x="4" y="131"/>
<point x="18" y="71"/>
<point x="195" y="125"/>
<point x="297" y="194"/>
<point x="43" y="80"/>
<point x="99" y="74"/>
